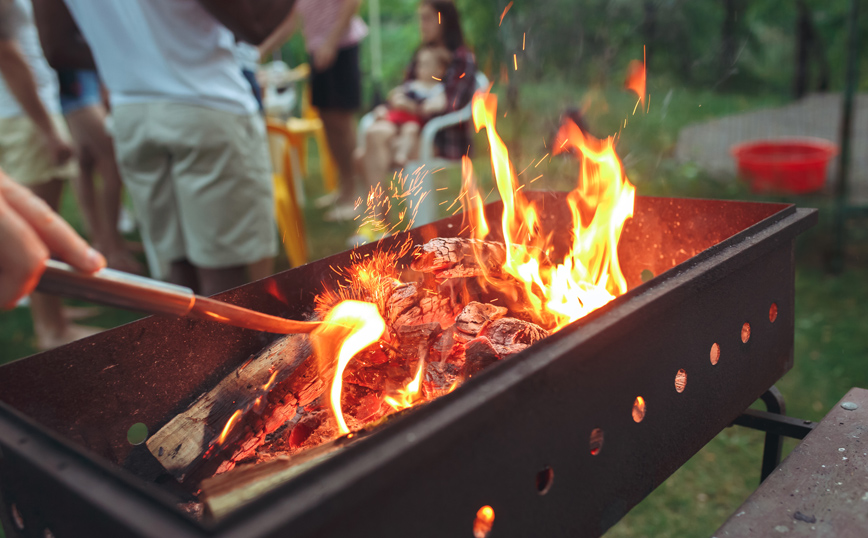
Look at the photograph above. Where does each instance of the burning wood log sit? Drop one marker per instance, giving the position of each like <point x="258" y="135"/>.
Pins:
<point x="224" y="493"/>
<point x="474" y="317"/>
<point x="456" y="257"/>
<point x="498" y="340"/>
<point x="410" y="304"/>
<point x="214" y="422"/>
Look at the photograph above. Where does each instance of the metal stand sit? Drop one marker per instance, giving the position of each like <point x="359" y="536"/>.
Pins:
<point x="777" y="425"/>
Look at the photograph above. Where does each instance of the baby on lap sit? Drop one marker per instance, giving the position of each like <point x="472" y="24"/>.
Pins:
<point x="412" y="103"/>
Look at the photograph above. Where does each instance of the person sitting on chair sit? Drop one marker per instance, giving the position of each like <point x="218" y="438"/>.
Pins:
<point x="439" y="25"/>
<point x="417" y="99"/>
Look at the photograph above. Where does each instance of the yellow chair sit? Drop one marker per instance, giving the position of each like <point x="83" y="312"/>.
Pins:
<point x="290" y="219"/>
<point x="309" y="125"/>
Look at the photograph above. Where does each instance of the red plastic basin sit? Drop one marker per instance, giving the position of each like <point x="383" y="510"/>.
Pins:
<point x="788" y="165"/>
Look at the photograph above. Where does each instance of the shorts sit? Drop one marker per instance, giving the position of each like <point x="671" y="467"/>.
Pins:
<point x="200" y="183"/>
<point x="78" y="89"/>
<point x="23" y="153"/>
<point x="339" y="86"/>
<point x="400" y="117"/>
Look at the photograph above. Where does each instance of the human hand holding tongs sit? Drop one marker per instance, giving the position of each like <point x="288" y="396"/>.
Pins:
<point x="132" y="292"/>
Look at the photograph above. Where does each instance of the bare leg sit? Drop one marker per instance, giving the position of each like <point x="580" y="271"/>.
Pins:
<point x="340" y="130"/>
<point x="88" y="129"/>
<point x="405" y="142"/>
<point x="378" y="151"/>
<point x="49" y="323"/>
<point x="85" y="193"/>
<point x="183" y="273"/>
<point x="261" y="269"/>
<point x="217" y="280"/>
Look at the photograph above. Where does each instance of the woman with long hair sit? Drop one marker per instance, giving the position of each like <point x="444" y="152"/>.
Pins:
<point x="439" y="26"/>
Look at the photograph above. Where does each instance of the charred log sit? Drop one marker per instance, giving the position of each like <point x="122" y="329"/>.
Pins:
<point x="455" y="257"/>
<point x="510" y="336"/>
<point x="474" y="317"/>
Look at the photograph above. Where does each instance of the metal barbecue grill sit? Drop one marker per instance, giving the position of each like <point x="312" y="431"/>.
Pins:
<point x="560" y="440"/>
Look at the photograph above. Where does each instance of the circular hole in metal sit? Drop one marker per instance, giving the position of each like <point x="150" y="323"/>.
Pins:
<point x="680" y="381"/>
<point x="16" y="517"/>
<point x="646" y="275"/>
<point x="137" y="434"/>
<point x="483" y="522"/>
<point x="773" y="312"/>
<point x="544" y="480"/>
<point x="596" y="441"/>
<point x="715" y="353"/>
<point x="745" y="332"/>
<point x="639" y="409"/>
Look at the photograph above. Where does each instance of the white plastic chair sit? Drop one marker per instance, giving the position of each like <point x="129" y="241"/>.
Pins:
<point x="428" y="160"/>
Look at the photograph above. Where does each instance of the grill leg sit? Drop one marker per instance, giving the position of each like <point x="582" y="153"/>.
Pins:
<point x="774" y="444"/>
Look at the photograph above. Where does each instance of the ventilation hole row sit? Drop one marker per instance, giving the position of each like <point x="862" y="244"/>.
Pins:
<point x="484" y="521"/>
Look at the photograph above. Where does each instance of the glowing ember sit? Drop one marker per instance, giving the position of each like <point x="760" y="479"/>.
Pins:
<point x="483" y="522"/>
<point x="589" y="275"/>
<point x="349" y="327"/>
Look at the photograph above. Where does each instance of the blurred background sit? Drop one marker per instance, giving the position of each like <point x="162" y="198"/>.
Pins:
<point x="719" y="73"/>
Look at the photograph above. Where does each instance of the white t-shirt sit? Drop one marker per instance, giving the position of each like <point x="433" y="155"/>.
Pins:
<point x="163" y="50"/>
<point x="28" y="41"/>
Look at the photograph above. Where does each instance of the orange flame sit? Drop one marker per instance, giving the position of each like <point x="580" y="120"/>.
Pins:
<point x="409" y="394"/>
<point x="636" y="79"/>
<point x="228" y="427"/>
<point x="589" y="275"/>
<point x="349" y="327"/>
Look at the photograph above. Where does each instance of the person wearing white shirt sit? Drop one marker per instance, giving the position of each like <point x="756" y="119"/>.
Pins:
<point x="190" y="144"/>
<point x="36" y="152"/>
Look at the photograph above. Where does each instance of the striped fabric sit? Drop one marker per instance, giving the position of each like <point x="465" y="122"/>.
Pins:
<point x="318" y="18"/>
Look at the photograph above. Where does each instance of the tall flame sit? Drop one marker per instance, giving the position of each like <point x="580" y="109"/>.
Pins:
<point x="349" y="327"/>
<point x="589" y="275"/>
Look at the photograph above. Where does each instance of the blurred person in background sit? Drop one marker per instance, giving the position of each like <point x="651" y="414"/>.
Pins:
<point x="190" y="143"/>
<point x="35" y="150"/>
<point x="439" y="26"/>
<point x="81" y="103"/>
<point x="332" y="31"/>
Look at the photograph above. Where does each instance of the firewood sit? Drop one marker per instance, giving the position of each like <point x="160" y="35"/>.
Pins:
<point x="410" y="304"/>
<point x="440" y="378"/>
<point x="226" y="492"/>
<point x="509" y="336"/>
<point x="451" y="257"/>
<point x="473" y="318"/>
<point x="500" y="339"/>
<point x="479" y="354"/>
<point x="182" y="444"/>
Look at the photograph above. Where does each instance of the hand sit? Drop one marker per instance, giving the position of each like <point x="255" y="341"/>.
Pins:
<point x="434" y="104"/>
<point x="59" y="150"/>
<point x="400" y="101"/>
<point x="380" y="112"/>
<point x="29" y="230"/>
<point x="324" y="56"/>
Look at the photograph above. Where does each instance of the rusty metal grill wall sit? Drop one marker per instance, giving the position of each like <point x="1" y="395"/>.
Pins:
<point x="428" y="472"/>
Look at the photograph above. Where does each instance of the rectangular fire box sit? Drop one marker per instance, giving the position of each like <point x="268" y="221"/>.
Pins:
<point x="559" y="440"/>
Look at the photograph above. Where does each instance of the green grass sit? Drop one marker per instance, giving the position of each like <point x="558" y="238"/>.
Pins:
<point x="830" y="343"/>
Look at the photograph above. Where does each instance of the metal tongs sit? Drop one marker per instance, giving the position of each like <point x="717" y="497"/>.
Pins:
<point x="131" y="292"/>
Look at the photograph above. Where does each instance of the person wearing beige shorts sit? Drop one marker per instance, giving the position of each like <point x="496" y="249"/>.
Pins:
<point x="27" y="157"/>
<point x="200" y="183"/>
